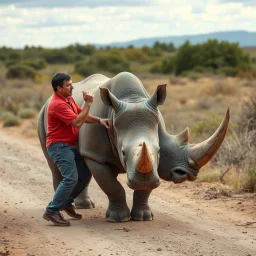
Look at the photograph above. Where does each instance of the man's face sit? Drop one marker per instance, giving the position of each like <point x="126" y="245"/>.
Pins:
<point x="66" y="89"/>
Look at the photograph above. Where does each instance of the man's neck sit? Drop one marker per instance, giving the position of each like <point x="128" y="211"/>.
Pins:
<point x="60" y="95"/>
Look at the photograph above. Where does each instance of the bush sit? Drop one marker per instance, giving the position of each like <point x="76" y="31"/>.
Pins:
<point x="26" y="113"/>
<point x="85" y="68"/>
<point x="228" y="71"/>
<point x="21" y="72"/>
<point x="223" y="57"/>
<point x="36" y="64"/>
<point x="56" y="56"/>
<point x="156" y="68"/>
<point x="10" y="120"/>
<point x="112" y="61"/>
<point x="166" y="47"/>
<point x="169" y="65"/>
<point x="247" y="118"/>
<point x="87" y="49"/>
<point x="206" y="128"/>
<point x="136" y="55"/>
<point x="249" y="181"/>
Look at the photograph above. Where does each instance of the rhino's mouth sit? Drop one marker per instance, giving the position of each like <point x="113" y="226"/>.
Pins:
<point x="179" y="175"/>
<point x="142" y="182"/>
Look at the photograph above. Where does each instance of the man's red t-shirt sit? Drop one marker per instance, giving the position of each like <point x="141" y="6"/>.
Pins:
<point x="61" y="113"/>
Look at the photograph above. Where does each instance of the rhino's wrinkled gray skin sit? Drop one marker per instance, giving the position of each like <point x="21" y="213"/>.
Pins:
<point x="131" y="145"/>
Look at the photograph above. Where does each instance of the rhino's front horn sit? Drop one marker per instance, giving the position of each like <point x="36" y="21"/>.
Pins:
<point x="202" y="153"/>
<point x="144" y="160"/>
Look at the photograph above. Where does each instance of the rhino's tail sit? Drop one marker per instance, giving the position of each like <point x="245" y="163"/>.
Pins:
<point x="41" y="131"/>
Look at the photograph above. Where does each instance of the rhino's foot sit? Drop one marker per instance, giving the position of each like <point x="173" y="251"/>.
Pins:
<point x="118" y="214"/>
<point x="141" y="213"/>
<point x="85" y="203"/>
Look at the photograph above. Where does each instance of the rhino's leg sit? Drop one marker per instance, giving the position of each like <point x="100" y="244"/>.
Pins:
<point x="83" y="201"/>
<point x="105" y="175"/>
<point x="141" y="209"/>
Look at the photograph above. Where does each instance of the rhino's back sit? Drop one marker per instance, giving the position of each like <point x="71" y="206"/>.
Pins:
<point x="91" y="84"/>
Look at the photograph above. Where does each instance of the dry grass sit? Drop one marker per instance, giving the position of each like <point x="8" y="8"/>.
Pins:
<point x="189" y="103"/>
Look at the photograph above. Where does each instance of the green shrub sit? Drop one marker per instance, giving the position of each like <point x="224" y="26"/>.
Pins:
<point x="36" y="64"/>
<point x="222" y="56"/>
<point x="206" y="128"/>
<point x="247" y="117"/>
<point x="85" y="68"/>
<point x="156" y="68"/>
<point x="10" y="120"/>
<point x="249" y="182"/>
<point x="4" y="114"/>
<point x="169" y="65"/>
<point x="112" y="61"/>
<point x="83" y="49"/>
<point x="20" y="71"/>
<point x="228" y="71"/>
<point x="26" y="113"/>
<point x="55" y="56"/>
<point x="136" y="55"/>
<point x="166" y="47"/>
<point x="10" y="63"/>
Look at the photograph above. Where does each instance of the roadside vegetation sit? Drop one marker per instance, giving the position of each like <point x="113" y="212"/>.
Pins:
<point x="203" y="80"/>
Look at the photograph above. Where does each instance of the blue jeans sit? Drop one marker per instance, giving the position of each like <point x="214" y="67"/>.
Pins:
<point x="76" y="175"/>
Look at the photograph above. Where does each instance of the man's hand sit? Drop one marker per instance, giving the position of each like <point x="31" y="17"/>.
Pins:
<point x="105" y="122"/>
<point x="88" y="97"/>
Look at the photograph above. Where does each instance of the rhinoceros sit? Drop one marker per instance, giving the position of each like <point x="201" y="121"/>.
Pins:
<point x="132" y="145"/>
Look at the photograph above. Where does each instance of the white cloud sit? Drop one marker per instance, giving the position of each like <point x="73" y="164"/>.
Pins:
<point x="67" y="3"/>
<point x="244" y="2"/>
<point x="55" y="27"/>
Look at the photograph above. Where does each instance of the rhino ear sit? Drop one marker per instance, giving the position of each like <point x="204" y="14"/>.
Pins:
<point x="158" y="96"/>
<point x="109" y="99"/>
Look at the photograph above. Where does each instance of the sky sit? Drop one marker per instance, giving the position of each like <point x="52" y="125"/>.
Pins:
<point x="59" y="23"/>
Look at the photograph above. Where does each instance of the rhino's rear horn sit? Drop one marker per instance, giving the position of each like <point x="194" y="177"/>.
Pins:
<point x="202" y="153"/>
<point x="144" y="160"/>
<point x="182" y="137"/>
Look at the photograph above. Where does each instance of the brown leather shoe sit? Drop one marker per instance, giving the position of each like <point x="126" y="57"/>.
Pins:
<point x="70" y="210"/>
<point x="56" y="219"/>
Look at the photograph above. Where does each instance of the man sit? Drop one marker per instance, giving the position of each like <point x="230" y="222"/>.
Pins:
<point x="64" y="118"/>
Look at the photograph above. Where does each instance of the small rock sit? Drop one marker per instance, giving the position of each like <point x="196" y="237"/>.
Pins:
<point x="126" y="229"/>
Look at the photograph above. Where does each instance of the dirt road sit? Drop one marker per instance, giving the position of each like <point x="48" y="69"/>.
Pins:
<point x="185" y="222"/>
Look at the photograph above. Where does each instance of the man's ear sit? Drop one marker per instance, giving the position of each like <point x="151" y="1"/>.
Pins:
<point x="59" y="88"/>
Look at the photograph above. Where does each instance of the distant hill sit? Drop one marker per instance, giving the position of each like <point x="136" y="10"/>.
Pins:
<point x="244" y="39"/>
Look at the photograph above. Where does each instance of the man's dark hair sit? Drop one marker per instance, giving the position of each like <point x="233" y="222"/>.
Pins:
<point x="59" y="79"/>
